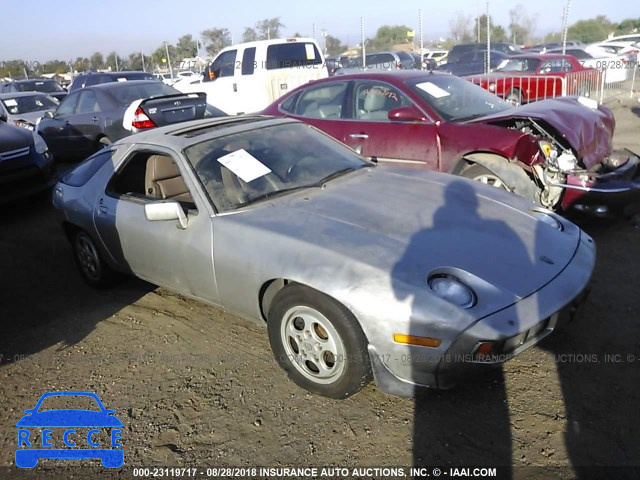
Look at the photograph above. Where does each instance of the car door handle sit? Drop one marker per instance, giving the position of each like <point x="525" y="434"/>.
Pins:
<point x="359" y="135"/>
<point x="103" y="209"/>
<point x="94" y="119"/>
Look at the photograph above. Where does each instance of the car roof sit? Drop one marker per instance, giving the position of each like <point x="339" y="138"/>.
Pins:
<point x="542" y="56"/>
<point x="183" y="135"/>
<point x="23" y="94"/>
<point x="33" y="80"/>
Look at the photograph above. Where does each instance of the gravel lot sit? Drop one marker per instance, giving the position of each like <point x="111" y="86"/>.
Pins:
<point x="197" y="387"/>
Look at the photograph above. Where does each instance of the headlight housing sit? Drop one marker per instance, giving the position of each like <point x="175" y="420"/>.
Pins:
<point x="39" y="143"/>
<point x="547" y="218"/>
<point x="451" y="289"/>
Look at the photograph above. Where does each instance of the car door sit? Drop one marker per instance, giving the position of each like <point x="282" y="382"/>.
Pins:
<point x="157" y="251"/>
<point x="370" y="132"/>
<point x="55" y="130"/>
<point x="225" y="84"/>
<point x="85" y="125"/>
<point x="322" y="106"/>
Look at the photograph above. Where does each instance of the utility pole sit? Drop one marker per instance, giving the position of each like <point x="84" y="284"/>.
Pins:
<point x="166" y="49"/>
<point x="364" y="58"/>
<point x="565" y="27"/>
<point x="142" y="57"/>
<point x="421" y="39"/>
<point x="488" y="41"/>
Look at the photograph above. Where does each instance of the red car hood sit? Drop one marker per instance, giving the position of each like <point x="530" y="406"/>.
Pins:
<point x="589" y="131"/>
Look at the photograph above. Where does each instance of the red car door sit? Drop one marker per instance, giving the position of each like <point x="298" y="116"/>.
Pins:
<point x="370" y="132"/>
<point x="323" y="107"/>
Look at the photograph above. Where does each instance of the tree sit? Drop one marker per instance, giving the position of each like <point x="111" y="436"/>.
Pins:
<point x="460" y="31"/>
<point x="592" y="30"/>
<point x="628" y="25"/>
<point x="55" y="66"/>
<point x="521" y="25"/>
<point x="498" y="33"/>
<point x="97" y="60"/>
<point x="13" y="69"/>
<point x="249" y="35"/>
<point x="269" y="28"/>
<point x="186" y="48"/>
<point x="114" y="62"/>
<point x="333" y="46"/>
<point x="135" y="61"/>
<point x="387" y="36"/>
<point x="215" y="39"/>
<point x="81" y="64"/>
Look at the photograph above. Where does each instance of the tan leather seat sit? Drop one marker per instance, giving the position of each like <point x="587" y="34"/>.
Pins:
<point x="163" y="180"/>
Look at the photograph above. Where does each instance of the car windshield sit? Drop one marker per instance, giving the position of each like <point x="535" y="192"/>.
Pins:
<point x="29" y="103"/>
<point x="518" y="65"/>
<point x="455" y="99"/>
<point x="39" y="86"/>
<point x="126" y="93"/>
<point x="243" y="168"/>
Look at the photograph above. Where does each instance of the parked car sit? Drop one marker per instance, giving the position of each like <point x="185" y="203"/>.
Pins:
<point x="464" y="49"/>
<point x="473" y="63"/>
<point x="556" y="152"/>
<point x="440" y="56"/>
<point x="95" y="78"/>
<point x="332" y="65"/>
<point x="26" y="166"/>
<point x="632" y="37"/>
<point x="615" y="68"/>
<point x="382" y="61"/>
<point x="50" y="87"/>
<point x="279" y="223"/>
<point x="247" y="77"/>
<point x="530" y="77"/>
<point x="93" y="117"/>
<point x="543" y="47"/>
<point x="25" y="108"/>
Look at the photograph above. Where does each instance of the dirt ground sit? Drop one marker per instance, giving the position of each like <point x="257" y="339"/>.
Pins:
<point x="196" y="387"/>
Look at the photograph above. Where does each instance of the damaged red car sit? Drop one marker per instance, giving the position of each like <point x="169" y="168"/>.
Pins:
<point x="557" y="152"/>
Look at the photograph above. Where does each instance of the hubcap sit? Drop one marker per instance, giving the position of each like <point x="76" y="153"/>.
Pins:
<point x="88" y="257"/>
<point x="312" y="344"/>
<point x="491" y="180"/>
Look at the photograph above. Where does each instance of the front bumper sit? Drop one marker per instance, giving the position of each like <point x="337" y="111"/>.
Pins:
<point x="26" y="177"/>
<point x="517" y="327"/>
<point x="617" y="188"/>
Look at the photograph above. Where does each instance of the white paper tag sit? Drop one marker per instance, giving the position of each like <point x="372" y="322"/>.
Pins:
<point x="10" y="102"/>
<point x="244" y="165"/>
<point x="432" y="89"/>
<point x="122" y="79"/>
<point x="311" y="52"/>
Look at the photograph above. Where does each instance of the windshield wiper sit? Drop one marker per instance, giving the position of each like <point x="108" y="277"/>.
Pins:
<point x="338" y="173"/>
<point x="275" y="193"/>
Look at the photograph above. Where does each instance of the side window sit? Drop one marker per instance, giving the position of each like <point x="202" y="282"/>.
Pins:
<point x="322" y="102"/>
<point x="567" y="66"/>
<point x="374" y="100"/>
<point x="151" y="176"/>
<point x="225" y="64"/>
<point x="248" y="61"/>
<point x="68" y="105"/>
<point x="289" y="104"/>
<point x="88" y="102"/>
<point x="87" y="169"/>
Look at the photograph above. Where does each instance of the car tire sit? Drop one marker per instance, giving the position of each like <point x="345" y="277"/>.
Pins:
<point x="514" y="97"/>
<point x="92" y="266"/>
<point x="318" y="342"/>
<point x="482" y="174"/>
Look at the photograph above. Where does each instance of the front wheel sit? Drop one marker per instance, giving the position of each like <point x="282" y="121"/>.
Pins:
<point x="90" y="263"/>
<point x="482" y="174"/>
<point x="318" y="342"/>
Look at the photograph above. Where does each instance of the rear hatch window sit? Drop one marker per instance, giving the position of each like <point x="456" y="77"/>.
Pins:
<point x="293" y="54"/>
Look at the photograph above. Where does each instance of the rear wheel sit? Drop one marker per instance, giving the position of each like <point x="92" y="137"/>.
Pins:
<point x="514" y="97"/>
<point x="318" y="342"/>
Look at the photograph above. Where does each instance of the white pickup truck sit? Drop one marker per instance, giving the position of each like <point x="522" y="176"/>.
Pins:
<point x="248" y="77"/>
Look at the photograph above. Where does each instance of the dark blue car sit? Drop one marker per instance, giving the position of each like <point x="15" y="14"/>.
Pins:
<point x="28" y="454"/>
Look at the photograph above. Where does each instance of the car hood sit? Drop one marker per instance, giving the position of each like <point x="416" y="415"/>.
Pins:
<point x="407" y="222"/>
<point x="12" y="137"/>
<point x="589" y="131"/>
<point x="31" y="117"/>
<point x="69" y="418"/>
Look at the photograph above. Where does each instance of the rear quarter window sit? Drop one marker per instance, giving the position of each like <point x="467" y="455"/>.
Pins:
<point x="87" y="169"/>
<point x="294" y="54"/>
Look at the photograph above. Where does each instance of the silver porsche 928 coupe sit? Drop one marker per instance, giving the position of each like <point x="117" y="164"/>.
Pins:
<point x="358" y="270"/>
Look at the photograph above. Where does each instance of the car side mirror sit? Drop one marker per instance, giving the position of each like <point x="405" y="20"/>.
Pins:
<point x="159" y="211"/>
<point x="405" y="114"/>
<point x="48" y="114"/>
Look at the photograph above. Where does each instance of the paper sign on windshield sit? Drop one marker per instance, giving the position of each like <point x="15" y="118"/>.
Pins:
<point x="10" y="102"/>
<point x="432" y="89"/>
<point x="244" y="165"/>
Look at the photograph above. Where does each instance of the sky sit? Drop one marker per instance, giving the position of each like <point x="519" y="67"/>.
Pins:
<point x="41" y="30"/>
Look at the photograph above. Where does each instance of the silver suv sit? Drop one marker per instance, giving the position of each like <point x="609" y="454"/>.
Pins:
<point x="392" y="60"/>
